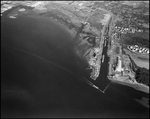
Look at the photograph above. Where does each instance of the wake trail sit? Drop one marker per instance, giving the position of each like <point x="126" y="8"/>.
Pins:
<point x="59" y="66"/>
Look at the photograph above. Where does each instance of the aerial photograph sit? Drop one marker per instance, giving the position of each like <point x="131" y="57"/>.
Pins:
<point x="74" y="59"/>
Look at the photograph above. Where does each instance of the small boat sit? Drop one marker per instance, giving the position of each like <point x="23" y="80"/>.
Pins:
<point x="103" y="58"/>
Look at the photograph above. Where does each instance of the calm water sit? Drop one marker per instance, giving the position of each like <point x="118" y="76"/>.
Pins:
<point x="41" y="76"/>
<point x="102" y="80"/>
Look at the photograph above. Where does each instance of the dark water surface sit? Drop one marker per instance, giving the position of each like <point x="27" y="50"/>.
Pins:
<point x="41" y="76"/>
<point x="102" y="80"/>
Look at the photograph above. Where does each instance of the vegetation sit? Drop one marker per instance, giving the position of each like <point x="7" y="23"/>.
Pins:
<point x="135" y="40"/>
<point x="142" y="76"/>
